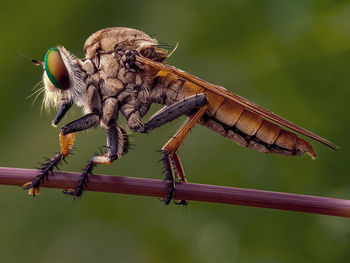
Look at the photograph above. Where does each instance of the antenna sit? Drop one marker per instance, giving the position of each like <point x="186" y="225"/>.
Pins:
<point x="35" y="61"/>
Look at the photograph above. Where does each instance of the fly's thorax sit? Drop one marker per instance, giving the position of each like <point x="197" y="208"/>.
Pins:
<point x="110" y="39"/>
<point x="107" y="48"/>
<point x="117" y="77"/>
<point x="122" y="82"/>
<point x="63" y="79"/>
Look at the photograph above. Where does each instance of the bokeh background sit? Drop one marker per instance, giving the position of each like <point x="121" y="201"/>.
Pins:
<point x="292" y="57"/>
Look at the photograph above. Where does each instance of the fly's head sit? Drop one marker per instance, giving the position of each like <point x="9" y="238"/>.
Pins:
<point x="62" y="79"/>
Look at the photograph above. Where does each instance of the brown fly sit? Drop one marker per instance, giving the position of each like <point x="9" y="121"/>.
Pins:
<point x="125" y="71"/>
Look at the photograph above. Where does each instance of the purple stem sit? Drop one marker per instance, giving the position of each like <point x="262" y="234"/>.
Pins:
<point x="186" y="191"/>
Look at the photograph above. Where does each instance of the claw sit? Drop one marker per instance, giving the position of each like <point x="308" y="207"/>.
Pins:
<point x="26" y="186"/>
<point x="70" y="192"/>
<point x="181" y="202"/>
<point x="166" y="201"/>
<point x="75" y="193"/>
<point x="161" y="199"/>
<point x="32" y="191"/>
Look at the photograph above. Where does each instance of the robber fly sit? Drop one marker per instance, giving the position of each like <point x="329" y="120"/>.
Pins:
<point x="125" y="71"/>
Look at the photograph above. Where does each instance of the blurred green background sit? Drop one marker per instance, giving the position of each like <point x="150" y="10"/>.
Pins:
<point x="292" y="57"/>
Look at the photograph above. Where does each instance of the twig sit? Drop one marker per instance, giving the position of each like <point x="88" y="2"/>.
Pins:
<point x="186" y="191"/>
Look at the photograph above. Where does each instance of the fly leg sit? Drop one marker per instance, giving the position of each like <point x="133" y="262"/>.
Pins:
<point x="171" y="112"/>
<point x="169" y="153"/>
<point x="180" y="174"/>
<point x="171" y="161"/>
<point x="66" y="144"/>
<point x="66" y="139"/>
<point x="173" y="169"/>
<point x="61" y="112"/>
<point x="67" y="136"/>
<point x="117" y="145"/>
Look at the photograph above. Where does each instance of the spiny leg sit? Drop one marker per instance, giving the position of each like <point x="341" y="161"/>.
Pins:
<point x="173" y="169"/>
<point x="169" y="151"/>
<point x="169" y="178"/>
<point x="66" y="139"/>
<point x="170" y="159"/>
<point x="78" y="191"/>
<point x="169" y="113"/>
<point x="170" y="162"/>
<point x="66" y="144"/>
<point x="117" y="145"/>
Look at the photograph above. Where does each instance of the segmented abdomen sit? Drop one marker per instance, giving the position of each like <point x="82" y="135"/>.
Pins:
<point x="231" y="120"/>
<point x="251" y="130"/>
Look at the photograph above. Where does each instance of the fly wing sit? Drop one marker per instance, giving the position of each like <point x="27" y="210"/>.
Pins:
<point x="164" y="69"/>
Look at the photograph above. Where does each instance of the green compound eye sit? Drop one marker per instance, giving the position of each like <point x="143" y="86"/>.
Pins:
<point x="55" y="69"/>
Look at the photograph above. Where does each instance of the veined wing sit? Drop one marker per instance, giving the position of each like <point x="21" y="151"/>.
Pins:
<point x="164" y="69"/>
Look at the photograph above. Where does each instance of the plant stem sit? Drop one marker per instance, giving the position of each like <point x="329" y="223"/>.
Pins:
<point x="185" y="191"/>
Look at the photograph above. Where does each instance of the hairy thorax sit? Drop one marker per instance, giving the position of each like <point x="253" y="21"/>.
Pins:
<point x="123" y="84"/>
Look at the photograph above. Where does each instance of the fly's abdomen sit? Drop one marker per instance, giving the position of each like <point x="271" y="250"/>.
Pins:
<point x="251" y="130"/>
<point x="233" y="121"/>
